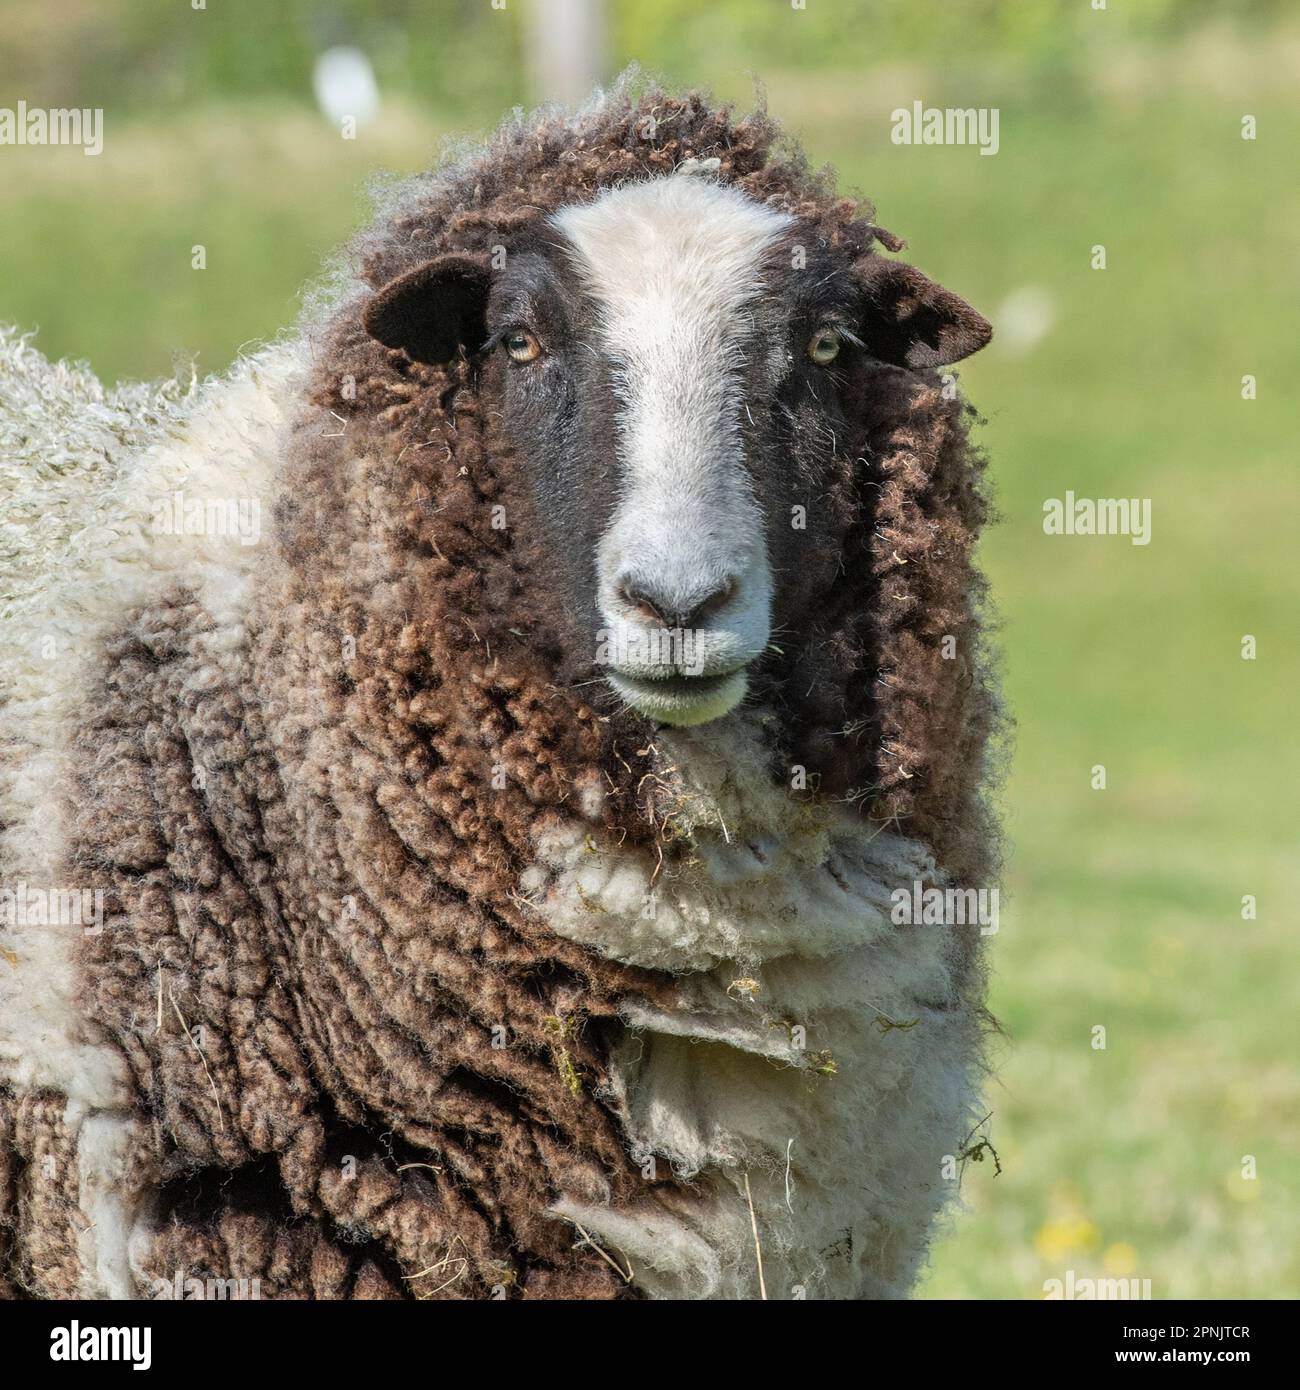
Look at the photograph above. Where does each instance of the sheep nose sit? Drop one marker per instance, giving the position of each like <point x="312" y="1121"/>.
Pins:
<point x="663" y="608"/>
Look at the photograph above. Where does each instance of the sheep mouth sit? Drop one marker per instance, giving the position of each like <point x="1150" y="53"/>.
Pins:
<point x="681" y="700"/>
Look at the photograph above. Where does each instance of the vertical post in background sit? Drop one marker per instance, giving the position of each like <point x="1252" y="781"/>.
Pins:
<point x="566" y="47"/>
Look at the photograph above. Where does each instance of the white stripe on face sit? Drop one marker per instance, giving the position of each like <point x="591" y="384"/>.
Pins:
<point x="674" y="265"/>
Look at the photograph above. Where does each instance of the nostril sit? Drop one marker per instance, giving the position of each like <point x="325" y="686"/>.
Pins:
<point x="643" y="605"/>
<point x="714" y="603"/>
<point x="670" y="612"/>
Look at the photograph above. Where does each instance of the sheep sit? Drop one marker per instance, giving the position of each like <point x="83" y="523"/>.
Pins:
<point x="497" y="864"/>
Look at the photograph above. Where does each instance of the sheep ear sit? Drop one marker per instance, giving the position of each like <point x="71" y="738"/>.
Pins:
<point x="912" y="322"/>
<point x="433" y="311"/>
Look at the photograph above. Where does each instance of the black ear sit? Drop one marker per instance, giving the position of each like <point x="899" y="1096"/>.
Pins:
<point x="433" y="311"/>
<point x="912" y="322"/>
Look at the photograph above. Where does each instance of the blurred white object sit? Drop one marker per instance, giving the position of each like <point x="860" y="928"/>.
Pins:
<point x="344" y="83"/>
<point x="1024" y="319"/>
<point x="564" y="47"/>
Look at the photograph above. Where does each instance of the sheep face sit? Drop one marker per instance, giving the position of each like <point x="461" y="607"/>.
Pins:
<point x="669" y="360"/>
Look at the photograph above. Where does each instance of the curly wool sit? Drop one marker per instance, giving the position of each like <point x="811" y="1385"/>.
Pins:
<point x="311" y="784"/>
<point x="893" y="722"/>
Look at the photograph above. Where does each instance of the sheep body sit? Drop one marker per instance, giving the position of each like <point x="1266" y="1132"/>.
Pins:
<point x="353" y="828"/>
<point x="86" y="468"/>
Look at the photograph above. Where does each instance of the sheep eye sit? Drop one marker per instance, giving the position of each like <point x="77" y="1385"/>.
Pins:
<point x="824" y="346"/>
<point x="522" y="346"/>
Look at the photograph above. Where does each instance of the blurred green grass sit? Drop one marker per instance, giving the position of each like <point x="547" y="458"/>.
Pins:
<point x="1122" y="907"/>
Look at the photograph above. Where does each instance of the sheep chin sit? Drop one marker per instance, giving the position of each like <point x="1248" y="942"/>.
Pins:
<point x="669" y="703"/>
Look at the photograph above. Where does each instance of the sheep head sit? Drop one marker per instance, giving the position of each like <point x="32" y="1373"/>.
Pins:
<point x="672" y="361"/>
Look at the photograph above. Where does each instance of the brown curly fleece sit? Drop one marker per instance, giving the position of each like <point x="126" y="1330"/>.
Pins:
<point x="892" y="722"/>
<point x="360" y="1066"/>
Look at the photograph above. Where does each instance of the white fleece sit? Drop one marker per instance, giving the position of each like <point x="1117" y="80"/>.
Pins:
<point x="780" y="924"/>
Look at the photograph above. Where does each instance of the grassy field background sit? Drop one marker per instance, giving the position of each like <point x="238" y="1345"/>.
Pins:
<point x="1122" y="907"/>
